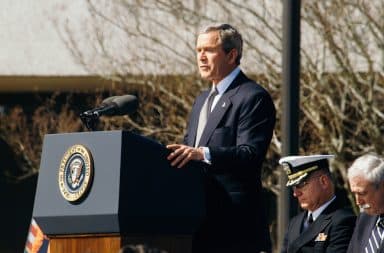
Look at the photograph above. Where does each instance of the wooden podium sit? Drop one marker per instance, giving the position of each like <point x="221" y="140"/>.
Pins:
<point x="99" y="191"/>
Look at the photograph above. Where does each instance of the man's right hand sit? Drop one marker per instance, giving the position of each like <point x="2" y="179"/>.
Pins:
<point x="182" y="154"/>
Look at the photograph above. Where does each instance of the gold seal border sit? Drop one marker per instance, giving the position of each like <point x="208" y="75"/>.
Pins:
<point x="88" y="175"/>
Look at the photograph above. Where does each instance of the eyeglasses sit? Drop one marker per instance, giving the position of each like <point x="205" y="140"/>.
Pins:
<point x="302" y="184"/>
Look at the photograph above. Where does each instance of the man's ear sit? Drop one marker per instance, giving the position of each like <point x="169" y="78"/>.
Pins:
<point x="232" y="56"/>
<point x="325" y="180"/>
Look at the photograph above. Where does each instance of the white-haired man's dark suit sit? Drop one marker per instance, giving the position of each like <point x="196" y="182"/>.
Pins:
<point x="362" y="232"/>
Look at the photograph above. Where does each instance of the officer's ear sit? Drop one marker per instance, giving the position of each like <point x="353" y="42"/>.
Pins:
<point x="325" y="180"/>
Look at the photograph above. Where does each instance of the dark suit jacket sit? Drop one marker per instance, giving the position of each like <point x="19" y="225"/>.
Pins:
<point x="238" y="133"/>
<point x="330" y="232"/>
<point x="362" y="232"/>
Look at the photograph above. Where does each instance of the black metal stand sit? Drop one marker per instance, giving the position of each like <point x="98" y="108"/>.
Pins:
<point x="90" y="120"/>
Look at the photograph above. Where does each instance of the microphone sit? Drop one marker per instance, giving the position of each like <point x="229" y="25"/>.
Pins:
<point x="116" y="105"/>
<point x="103" y="104"/>
<point x="108" y="100"/>
<point x="121" y="105"/>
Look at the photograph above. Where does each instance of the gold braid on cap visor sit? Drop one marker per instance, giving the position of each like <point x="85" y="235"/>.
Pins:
<point x="302" y="172"/>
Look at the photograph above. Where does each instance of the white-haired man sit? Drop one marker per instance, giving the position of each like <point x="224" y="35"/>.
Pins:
<point x="366" y="179"/>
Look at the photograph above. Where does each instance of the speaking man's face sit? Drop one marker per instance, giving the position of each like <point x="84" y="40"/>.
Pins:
<point x="214" y="64"/>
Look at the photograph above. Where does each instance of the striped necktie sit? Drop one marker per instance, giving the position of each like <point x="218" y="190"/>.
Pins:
<point x="376" y="238"/>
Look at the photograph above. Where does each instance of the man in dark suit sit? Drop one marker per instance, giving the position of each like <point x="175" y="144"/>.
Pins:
<point x="325" y="225"/>
<point x="229" y="131"/>
<point x="366" y="179"/>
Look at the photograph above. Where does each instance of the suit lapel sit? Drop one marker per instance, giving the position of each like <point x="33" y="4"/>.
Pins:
<point x="220" y="108"/>
<point x="317" y="227"/>
<point x="312" y="232"/>
<point x="214" y="118"/>
<point x="295" y="231"/>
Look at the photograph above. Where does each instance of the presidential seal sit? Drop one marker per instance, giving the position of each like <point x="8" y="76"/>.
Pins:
<point x="75" y="173"/>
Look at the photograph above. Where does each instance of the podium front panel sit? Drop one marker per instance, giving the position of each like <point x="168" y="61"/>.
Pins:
<point x="133" y="190"/>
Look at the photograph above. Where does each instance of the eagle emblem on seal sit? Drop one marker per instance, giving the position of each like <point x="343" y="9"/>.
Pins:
<point x="75" y="173"/>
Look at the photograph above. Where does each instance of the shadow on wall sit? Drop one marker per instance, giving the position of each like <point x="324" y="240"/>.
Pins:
<point x="16" y="203"/>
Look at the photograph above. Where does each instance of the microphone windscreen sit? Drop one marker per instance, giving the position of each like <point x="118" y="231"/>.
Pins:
<point x="126" y="104"/>
<point x="108" y="100"/>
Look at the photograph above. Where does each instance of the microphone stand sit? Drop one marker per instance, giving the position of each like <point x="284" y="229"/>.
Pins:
<point x="90" y="120"/>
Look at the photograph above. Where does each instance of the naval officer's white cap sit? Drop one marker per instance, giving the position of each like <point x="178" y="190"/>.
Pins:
<point x="299" y="167"/>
